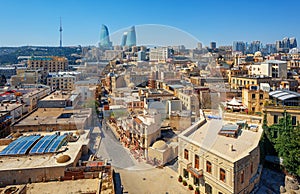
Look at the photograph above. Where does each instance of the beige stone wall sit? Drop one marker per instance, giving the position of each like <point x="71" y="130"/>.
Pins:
<point x="24" y="176"/>
<point x="244" y="166"/>
<point x="163" y="156"/>
<point x="272" y="110"/>
<point x="47" y="127"/>
<point x="151" y="138"/>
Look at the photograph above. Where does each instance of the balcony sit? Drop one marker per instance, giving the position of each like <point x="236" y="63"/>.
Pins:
<point x="195" y="172"/>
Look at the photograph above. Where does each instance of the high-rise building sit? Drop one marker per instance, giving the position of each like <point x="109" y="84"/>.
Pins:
<point x="104" y="38"/>
<point x="238" y="46"/>
<point x="286" y="44"/>
<point x="270" y="48"/>
<point x="124" y="38"/>
<point x="131" y="37"/>
<point x="293" y="42"/>
<point x="254" y="46"/>
<point x="278" y="45"/>
<point x="199" y="45"/>
<point x="213" y="45"/>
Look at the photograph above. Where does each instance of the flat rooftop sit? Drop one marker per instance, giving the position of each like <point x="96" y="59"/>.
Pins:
<point x="44" y="160"/>
<point x="72" y="186"/>
<point x="8" y="107"/>
<point x="55" y="116"/>
<point x="206" y="136"/>
<point x="57" y="96"/>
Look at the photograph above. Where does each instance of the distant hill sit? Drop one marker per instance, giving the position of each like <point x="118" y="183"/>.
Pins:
<point x="9" y="55"/>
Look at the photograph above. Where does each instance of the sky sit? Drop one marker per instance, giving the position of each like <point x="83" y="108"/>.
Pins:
<point x="36" y="22"/>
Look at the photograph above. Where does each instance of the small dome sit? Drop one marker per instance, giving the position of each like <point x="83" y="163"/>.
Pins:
<point x="17" y="135"/>
<point x="80" y="132"/>
<point x="160" y="145"/>
<point x="257" y="54"/>
<point x="63" y="159"/>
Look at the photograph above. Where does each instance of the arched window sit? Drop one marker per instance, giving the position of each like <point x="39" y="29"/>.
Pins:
<point x="208" y="167"/>
<point x="222" y="175"/>
<point x="242" y="176"/>
<point x="186" y="154"/>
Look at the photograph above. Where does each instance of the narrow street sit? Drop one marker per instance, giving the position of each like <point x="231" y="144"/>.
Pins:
<point x="111" y="149"/>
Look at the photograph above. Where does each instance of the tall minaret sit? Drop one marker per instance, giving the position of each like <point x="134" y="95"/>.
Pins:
<point x="60" y="31"/>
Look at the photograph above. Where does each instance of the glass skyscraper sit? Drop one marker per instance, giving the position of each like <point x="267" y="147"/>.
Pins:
<point x="239" y="46"/>
<point x="104" y="38"/>
<point x="124" y="38"/>
<point x="131" y="37"/>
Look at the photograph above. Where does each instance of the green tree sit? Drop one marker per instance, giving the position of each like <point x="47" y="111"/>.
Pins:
<point x="286" y="139"/>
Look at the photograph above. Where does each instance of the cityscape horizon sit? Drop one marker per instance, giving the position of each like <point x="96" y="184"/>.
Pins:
<point x="219" y="21"/>
<point x="149" y="97"/>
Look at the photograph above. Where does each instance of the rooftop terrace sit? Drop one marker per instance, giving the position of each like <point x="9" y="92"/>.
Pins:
<point x="205" y="134"/>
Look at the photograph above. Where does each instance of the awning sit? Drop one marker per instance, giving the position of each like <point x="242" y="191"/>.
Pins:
<point x="195" y="172"/>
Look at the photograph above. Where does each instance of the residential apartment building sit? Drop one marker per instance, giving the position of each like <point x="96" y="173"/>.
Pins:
<point x="270" y="68"/>
<point x="253" y="98"/>
<point x="239" y="82"/>
<point x="140" y="132"/>
<point x="24" y="77"/>
<point x="49" y="64"/>
<point x="88" y="89"/>
<point x="61" y="82"/>
<point x="220" y="157"/>
<point x="189" y="98"/>
<point x="160" y="54"/>
<point x="32" y="97"/>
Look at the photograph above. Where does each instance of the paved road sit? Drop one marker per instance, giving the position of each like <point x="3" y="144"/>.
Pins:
<point x="111" y="149"/>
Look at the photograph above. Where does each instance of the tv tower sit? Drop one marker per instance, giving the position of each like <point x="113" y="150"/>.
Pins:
<point x="60" y="32"/>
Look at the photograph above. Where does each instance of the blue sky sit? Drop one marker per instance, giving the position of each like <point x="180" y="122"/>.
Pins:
<point x="36" y="22"/>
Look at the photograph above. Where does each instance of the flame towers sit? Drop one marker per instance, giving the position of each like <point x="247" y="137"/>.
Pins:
<point x="104" y="38"/>
<point x="124" y="38"/>
<point x="131" y="37"/>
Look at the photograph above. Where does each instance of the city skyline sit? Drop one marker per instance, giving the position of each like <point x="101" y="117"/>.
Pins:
<point x="31" y="24"/>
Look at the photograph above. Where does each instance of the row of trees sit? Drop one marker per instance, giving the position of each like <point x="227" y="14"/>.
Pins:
<point x="283" y="139"/>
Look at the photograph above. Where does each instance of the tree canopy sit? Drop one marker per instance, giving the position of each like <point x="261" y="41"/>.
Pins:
<point x="286" y="139"/>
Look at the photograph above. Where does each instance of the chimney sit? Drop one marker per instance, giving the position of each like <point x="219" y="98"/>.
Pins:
<point x="230" y="147"/>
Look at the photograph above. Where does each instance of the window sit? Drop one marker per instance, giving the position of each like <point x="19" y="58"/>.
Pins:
<point x="186" y="154"/>
<point x="261" y="96"/>
<point x="242" y="176"/>
<point x="220" y="193"/>
<point x="294" y="120"/>
<point x="196" y="181"/>
<point x="251" y="167"/>
<point x="222" y="175"/>
<point x="208" y="189"/>
<point x="197" y="161"/>
<point x="253" y="96"/>
<point x="208" y="167"/>
<point x="185" y="173"/>
<point x="275" y="119"/>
